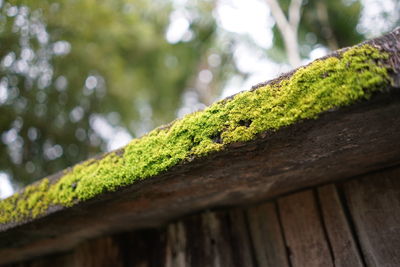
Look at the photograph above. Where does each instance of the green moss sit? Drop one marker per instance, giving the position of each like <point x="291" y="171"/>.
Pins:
<point x="32" y="202"/>
<point x="311" y="90"/>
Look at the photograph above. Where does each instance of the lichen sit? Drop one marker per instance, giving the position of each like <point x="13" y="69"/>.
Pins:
<point x="323" y="85"/>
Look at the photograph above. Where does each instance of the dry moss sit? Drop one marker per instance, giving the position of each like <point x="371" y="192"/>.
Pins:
<point x="321" y="86"/>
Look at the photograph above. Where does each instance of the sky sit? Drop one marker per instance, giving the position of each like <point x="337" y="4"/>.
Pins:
<point x="255" y="22"/>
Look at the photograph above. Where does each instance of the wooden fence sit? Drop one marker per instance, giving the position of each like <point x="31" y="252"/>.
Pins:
<point x="352" y="223"/>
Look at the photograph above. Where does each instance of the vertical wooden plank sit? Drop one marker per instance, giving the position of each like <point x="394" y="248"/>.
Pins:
<point x="303" y="230"/>
<point x="266" y="234"/>
<point x="216" y="243"/>
<point x="200" y="250"/>
<point x="222" y="239"/>
<point x="176" y="246"/>
<point x="344" y="248"/>
<point x="374" y="203"/>
<point x="239" y="238"/>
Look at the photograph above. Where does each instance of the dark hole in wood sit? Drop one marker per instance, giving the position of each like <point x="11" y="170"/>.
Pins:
<point x="216" y="138"/>
<point x="193" y="142"/>
<point x="246" y="123"/>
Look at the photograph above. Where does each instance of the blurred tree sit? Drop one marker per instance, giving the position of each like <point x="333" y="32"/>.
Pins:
<point x="69" y="68"/>
<point x="302" y="24"/>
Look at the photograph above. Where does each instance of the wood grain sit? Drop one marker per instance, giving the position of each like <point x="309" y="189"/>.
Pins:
<point x="266" y="234"/>
<point x="210" y="239"/>
<point x="374" y="203"/>
<point x="176" y="246"/>
<point x="344" y="248"/>
<point x="303" y="231"/>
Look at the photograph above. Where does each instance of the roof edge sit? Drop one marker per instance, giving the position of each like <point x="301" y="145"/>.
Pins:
<point x="343" y="78"/>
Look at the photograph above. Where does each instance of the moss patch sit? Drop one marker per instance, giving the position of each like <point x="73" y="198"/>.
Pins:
<point x="324" y="84"/>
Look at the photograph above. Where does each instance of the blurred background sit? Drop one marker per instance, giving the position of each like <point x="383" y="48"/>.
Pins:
<point x="80" y="77"/>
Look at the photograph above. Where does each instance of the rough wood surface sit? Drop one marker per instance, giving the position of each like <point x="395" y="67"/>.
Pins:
<point x="266" y="235"/>
<point x="303" y="230"/>
<point x="210" y="239"/>
<point x="344" y="248"/>
<point x="374" y="203"/>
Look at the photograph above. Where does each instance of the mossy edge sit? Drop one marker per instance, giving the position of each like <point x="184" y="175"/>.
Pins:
<point x="324" y="84"/>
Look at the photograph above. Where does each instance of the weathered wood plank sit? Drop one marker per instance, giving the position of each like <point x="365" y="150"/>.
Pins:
<point x="238" y="236"/>
<point x="266" y="234"/>
<point x="344" y="248"/>
<point x="176" y="246"/>
<point x="210" y="239"/>
<point x="374" y="203"/>
<point x="303" y="231"/>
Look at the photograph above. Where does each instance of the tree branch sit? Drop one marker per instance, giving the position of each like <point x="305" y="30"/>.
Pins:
<point x="288" y="28"/>
<point x="294" y="13"/>
<point x="323" y="17"/>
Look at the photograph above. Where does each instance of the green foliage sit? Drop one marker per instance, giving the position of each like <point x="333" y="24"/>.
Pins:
<point x="121" y="44"/>
<point x="311" y="90"/>
<point x="341" y="25"/>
